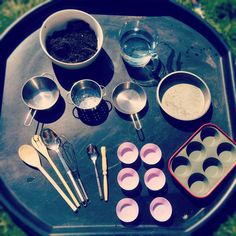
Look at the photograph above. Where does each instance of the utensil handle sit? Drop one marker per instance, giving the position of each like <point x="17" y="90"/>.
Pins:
<point x="98" y="182"/>
<point x="63" y="195"/>
<point x="62" y="180"/>
<point x="68" y="172"/>
<point x="105" y="188"/>
<point x="104" y="172"/>
<point x="83" y="189"/>
<point x="28" y="119"/>
<point x="104" y="159"/>
<point x="136" y="121"/>
<point x="75" y="186"/>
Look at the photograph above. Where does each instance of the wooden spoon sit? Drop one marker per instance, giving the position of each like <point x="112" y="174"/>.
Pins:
<point x="41" y="148"/>
<point x="30" y="156"/>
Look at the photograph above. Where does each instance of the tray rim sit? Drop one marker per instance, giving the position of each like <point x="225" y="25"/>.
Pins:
<point x="228" y="61"/>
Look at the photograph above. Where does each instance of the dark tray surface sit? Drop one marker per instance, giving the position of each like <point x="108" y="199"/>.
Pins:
<point x="31" y="198"/>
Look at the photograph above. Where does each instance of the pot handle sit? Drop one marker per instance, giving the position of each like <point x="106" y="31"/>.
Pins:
<point x="136" y="121"/>
<point x="28" y="119"/>
<point x="50" y="76"/>
<point x="104" y="92"/>
<point x="67" y="98"/>
<point x="74" y="114"/>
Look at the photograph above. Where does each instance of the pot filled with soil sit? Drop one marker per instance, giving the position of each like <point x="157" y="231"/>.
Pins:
<point x="72" y="39"/>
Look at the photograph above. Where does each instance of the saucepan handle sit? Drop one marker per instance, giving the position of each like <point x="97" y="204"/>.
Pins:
<point x="136" y="121"/>
<point x="50" y="76"/>
<point x="29" y="117"/>
<point x="104" y="92"/>
<point x="68" y="98"/>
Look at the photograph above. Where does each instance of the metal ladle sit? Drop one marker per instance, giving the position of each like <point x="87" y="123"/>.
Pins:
<point x="93" y="154"/>
<point x="53" y="142"/>
<point x="30" y="156"/>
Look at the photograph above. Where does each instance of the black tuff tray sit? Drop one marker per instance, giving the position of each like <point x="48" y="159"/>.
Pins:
<point x="188" y="43"/>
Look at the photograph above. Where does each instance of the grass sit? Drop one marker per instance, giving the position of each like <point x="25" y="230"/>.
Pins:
<point x="221" y="14"/>
<point x="7" y="227"/>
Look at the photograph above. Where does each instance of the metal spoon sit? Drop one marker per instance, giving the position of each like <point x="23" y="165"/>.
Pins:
<point x="53" y="142"/>
<point x="93" y="154"/>
<point x="30" y="156"/>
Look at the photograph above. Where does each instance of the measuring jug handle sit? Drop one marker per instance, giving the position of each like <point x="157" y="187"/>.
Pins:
<point x="154" y="62"/>
<point x="29" y="118"/>
<point x="136" y="121"/>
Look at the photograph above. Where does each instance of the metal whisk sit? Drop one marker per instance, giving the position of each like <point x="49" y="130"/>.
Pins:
<point x="68" y="154"/>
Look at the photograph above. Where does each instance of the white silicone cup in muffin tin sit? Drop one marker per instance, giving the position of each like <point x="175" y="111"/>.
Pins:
<point x="204" y="160"/>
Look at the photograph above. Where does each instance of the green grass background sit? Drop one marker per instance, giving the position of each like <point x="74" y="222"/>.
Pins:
<point x="221" y="14"/>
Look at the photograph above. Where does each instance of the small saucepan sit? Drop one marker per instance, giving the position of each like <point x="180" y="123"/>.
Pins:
<point x="86" y="95"/>
<point x="129" y="98"/>
<point x="39" y="93"/>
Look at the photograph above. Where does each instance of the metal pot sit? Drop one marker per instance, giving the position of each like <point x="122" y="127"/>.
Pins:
<point x="86" y="94"/>
<point x="39" y="93"/>
<point x="129" y="98"/>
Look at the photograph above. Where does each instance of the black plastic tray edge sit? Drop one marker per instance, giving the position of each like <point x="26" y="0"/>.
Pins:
<point x="20" y="215"/>
<point x="228" y="63"/>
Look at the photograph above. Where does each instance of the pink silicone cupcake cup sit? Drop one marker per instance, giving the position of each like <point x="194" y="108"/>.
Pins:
<point x="150" y="154"/>
<point x="127" y="153"/>
<point x="128" y="179"/>
<point x="161" y="209"/>
<point x="154" y="179"/>
<point x="127" y="210"/>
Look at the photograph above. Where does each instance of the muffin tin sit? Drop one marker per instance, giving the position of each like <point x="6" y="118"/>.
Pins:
<point x="204" y="160"/>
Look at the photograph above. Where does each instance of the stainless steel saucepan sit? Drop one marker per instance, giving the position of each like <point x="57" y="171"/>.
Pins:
<point x="129" y="98"/>
<point x="39" y="93"/>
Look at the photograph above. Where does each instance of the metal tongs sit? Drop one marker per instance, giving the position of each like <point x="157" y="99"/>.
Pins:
<point x="69" y="156"/>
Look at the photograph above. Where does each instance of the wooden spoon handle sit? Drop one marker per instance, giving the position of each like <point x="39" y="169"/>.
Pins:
<point x="63" y="181"/>
<point x="63" y="195"/>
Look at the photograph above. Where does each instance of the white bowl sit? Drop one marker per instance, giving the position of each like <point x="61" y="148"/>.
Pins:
<point x="58" y="21"/>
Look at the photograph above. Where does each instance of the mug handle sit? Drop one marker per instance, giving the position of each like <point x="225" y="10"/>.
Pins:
<point x="154" y="60"/>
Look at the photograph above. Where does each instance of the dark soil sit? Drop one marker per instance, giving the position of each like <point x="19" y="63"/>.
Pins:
<point x="76" y="43"/>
